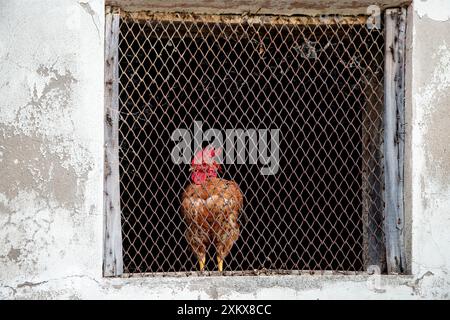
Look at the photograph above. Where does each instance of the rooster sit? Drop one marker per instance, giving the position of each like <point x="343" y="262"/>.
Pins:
<point x="210" y="207"/>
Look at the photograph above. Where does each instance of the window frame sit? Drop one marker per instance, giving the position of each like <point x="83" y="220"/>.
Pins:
<point x="393" y="143"/>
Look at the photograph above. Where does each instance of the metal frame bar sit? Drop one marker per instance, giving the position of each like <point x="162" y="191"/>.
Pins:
<point x="372" y="183"/>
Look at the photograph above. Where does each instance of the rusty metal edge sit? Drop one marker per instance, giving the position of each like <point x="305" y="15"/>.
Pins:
<point x="240" y="273"/>
<point x="250" y="19"/>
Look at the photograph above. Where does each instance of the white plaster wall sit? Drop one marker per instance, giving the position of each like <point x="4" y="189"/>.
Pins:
<point x="51" y="162"/>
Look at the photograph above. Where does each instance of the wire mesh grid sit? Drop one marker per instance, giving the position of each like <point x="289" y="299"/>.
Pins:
<point x="320" y="82"/>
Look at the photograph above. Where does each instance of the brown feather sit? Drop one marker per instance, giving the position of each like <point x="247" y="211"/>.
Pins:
<point x="211" y="212"/>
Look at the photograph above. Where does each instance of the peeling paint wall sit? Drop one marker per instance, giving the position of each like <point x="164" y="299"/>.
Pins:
<point x="51" y="167"/>
<point x="51" y="139"/>
<point x="429" y="136"/>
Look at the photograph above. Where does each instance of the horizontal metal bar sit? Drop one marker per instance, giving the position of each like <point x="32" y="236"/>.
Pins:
<point x="242" y="273"/>
<point x="250" y="19"/>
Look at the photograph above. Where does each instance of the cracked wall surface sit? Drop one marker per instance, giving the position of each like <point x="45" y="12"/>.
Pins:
<point x="51" y="139"/>
<point x="51" y="168"/>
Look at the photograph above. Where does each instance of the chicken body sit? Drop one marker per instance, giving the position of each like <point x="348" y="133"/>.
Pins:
<point x="211" y="212"/>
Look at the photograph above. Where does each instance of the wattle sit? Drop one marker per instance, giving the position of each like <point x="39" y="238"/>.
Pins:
<point x="199" y="177"/>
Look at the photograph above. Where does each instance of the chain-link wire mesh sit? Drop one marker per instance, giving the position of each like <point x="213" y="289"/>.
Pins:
<point x="319" y="81"/>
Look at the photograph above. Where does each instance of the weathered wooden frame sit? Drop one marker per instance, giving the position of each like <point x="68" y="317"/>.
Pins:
<point x="393" y="145"/>
<point x="113" y="257"/>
